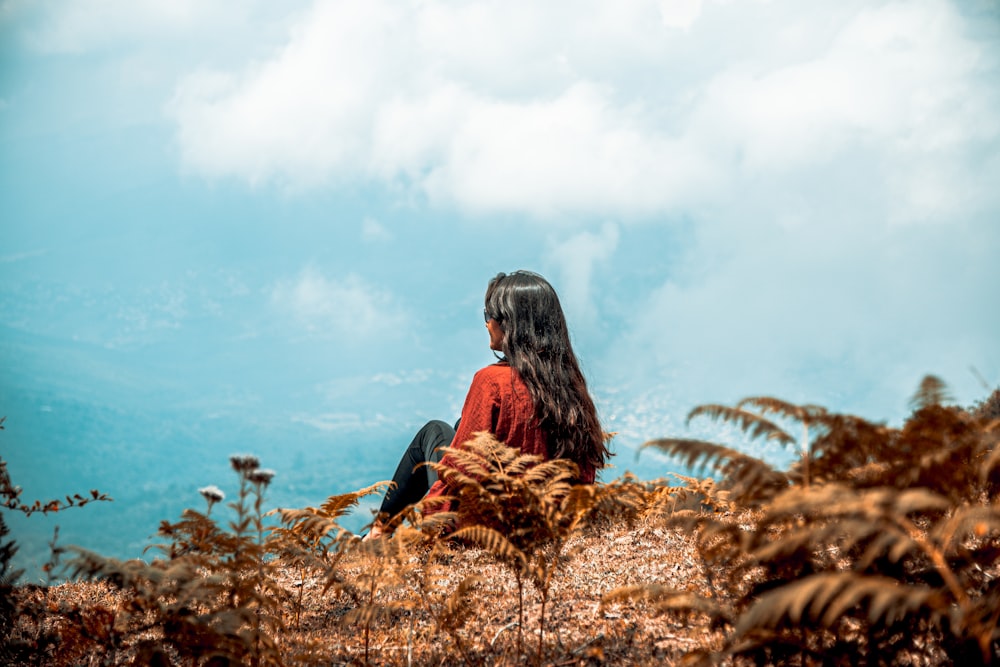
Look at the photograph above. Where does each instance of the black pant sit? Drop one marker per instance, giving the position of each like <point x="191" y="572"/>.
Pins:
<point x="412" y="482"/>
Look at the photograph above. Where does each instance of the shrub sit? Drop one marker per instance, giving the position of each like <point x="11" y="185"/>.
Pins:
<point x="879" y="543"/>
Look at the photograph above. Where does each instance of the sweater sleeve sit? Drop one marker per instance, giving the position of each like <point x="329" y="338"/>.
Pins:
<point x="479" y="413"/>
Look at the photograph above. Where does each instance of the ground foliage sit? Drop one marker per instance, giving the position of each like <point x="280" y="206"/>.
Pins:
<point x="879" y="545"/>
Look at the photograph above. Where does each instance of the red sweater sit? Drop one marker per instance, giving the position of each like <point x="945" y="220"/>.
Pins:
<point x="498" y="401"/>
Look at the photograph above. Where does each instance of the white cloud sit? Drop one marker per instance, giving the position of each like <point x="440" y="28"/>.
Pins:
<point x="576" y="258"/>
<point x="574" y="153"/>
<point x="304" y="116"/>
<point x="349" y="310"/>
<point x="679" y="13"/>
<point x="479" y="107"/>
<point x="820" y="315"/>
<point x="795" y="156"/>
<point x="900" y="86"/>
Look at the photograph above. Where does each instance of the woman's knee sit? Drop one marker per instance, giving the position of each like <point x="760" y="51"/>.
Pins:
<point x="434" y="436"/>
<point x="439" y="428"/>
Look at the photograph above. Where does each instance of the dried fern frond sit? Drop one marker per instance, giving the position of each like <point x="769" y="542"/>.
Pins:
<point x="752" y="479"/>
<point x="823" y="599"/>
<point x="460" y="605"/>
<point x="705" y="491"/>
<point x="545" y="472"/>
<point x="462" y="465"/>
<point x="932" y="392"/>
<point x="494" y="542"/>
<point x="623" y="499"/>
<point x="751" y="423"/>
<point x="769" y="405"/>
<point x="338" y="505"/>
<point x="989" y="471"/>
<point x="695" y="453"/>
<point x="846" y="447"/>
<point x="310" y="526"/>
<point x="836" y="500"/>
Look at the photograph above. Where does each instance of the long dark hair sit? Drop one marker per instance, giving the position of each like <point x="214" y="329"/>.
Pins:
<point x="536" y="344"/>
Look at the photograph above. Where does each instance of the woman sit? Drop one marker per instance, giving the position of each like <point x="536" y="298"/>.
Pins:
<point x="534" y="399"/>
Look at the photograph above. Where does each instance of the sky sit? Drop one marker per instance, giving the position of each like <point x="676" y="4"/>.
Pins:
<point x="284" y="215"/>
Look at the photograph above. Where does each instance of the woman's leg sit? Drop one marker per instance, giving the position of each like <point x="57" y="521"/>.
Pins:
<point x="411" y="482"/>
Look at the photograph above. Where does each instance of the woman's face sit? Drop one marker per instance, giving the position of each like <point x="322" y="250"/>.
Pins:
<point x="496" y="335"/>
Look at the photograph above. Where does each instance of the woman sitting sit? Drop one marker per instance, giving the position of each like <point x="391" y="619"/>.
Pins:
<point x="533" y="399"/>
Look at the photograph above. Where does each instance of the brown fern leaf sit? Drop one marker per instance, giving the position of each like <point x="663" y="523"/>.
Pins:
<point x="849" y="448"/>
<point x="338" y="505"/>
<point x="751" y="423"/>
<point x="820" y="544"/>
<point x="535" y="471"/>
<point x="989" y="473"/>
<point x="460" y="606"/>
<point x="464" y="461"/>
<point x="494" y="542"/>
<point x="525" y="465"/>
<point x="623" y="499"/>
<point x="833" y="500"/>
<point x="663" y="500"/>
<point x="312" y="525"/>
<point x="580" y="500"/>
<point x="822" y="600"/>
<point x="935" y="448"/>
<point x="805" y="414"/>
<point x="310" y="528"/>
<point x="695" y="453"/>
<point x="932" y="392"/>
<point x="704" y="492"/>
<point x="752" y="480"/>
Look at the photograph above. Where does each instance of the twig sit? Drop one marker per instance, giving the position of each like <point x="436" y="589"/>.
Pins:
<point x="409" y="643"/>
<point x="501" y="631"/>
<point x="678" y="638"/>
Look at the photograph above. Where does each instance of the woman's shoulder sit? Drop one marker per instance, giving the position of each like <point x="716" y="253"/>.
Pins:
<point x="498" y="372"/>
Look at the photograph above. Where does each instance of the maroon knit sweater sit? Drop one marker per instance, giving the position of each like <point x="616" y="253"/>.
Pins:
<point x="498" y="401"/>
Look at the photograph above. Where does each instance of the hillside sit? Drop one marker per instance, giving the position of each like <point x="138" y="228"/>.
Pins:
<point x="578" y="630"/>
<point x="880" y="546"/>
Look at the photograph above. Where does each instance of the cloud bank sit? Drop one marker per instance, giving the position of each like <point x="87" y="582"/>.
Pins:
<point x="834" y="162"/>
<point x="732" y="197"/>
<point x="552" y="110"/>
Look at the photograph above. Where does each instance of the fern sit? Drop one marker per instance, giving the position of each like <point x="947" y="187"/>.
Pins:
<point x="878" y="541"/>
<point x="933" y="392"/>
<point x="311" y="539"/>
<point x="212" y="597"/>
<point x="822" y="600"/>
<point x="520" y="509"/>
<point x="751" y="423"/>
<point x="751" y="479"/>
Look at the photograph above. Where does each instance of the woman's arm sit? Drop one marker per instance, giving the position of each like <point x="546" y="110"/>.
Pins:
<point x="479" y="413"/>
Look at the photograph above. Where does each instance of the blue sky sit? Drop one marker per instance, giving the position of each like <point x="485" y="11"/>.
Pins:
<point x="286" y="213"/>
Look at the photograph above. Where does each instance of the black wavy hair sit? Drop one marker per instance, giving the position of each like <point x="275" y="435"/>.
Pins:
<point x="536" y="344"/>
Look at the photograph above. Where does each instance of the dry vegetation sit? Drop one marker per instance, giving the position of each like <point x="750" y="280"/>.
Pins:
<point x="879" y="546"/>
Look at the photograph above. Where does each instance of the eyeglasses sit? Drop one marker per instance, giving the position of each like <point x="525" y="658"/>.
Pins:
<point x="486" y="316"/>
